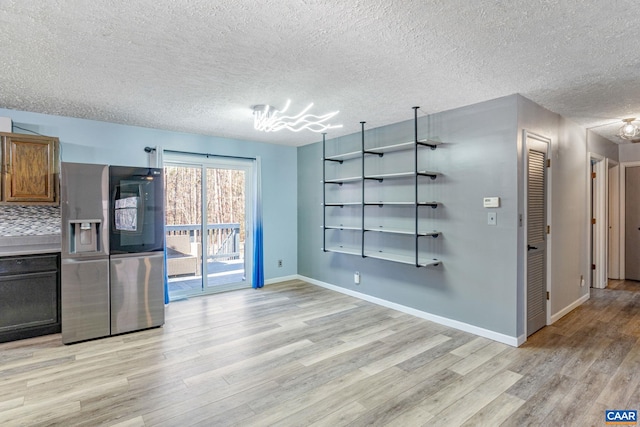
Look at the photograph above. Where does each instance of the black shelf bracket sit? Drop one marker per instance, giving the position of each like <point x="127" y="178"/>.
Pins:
<point x="374" y="152"/>
<point x="426" y="144"/>
<point x="430" y="175"/>
<point x="432" y="205"/>
<point x="334" y="160"/>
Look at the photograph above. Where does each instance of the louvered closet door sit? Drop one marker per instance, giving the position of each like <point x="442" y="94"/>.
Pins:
<point x="536" y="235"/>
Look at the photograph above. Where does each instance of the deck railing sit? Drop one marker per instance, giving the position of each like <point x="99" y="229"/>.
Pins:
<point x="223" y="240"/>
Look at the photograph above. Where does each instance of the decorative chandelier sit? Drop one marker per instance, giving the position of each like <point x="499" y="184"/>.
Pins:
<point x="269" y="119"/>
<point x="629" y="131"/>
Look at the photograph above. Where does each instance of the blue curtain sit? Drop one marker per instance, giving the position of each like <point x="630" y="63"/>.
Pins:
<point x="166" y="276"/>
<point x="258" y="254"/>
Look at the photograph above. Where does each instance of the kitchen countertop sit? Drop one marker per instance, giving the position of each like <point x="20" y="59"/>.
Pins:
<point x="29" y="245"/>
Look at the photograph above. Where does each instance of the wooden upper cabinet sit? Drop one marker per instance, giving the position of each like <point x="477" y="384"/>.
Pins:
<point x="30" y="167"/>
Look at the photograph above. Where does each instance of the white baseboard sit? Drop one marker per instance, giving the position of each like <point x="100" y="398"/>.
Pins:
<point x="570" y="307"/>
<point x="486" y="333"/>
<point x="281" y="279"/>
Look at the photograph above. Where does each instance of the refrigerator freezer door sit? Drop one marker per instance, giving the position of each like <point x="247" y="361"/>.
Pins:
<point x="137" y="291"/>
<point x="84" y="202"/>
<point x="85" y="299"/>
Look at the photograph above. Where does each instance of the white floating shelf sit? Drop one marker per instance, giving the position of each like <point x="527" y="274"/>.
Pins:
<point x="390" y="148"/>
<point x="344" y="250"/>
<point x="403" y="259"/>
<point x="400" y="147"/>
<point x="343" y="180"/>
<point x="390" y="175"/>
<point x="340" y="204"/>
<point x="405" y="231"/>
<point x="342" y="227"/>
<point x="345" y="156"/>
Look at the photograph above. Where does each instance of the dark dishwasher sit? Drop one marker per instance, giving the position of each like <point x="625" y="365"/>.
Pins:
<point x="29" y="296"/>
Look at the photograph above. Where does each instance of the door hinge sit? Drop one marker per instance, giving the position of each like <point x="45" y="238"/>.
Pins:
<point x="593" y="175"/>
<point x="548" y="163"/>
<point x="548" y="229"/>
<point x="547" y="295"/>
<point x="593" y="266"/>
<point x="593" y="221"/>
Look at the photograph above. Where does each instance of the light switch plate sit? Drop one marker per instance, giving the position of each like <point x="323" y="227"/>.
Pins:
<point x="492" y="218"/>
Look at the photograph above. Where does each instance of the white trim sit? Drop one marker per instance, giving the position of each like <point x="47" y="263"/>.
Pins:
<point x="597" y="208"/>
<point x="281" y="279"/>
<point x="486" y="333"/>
<point x="250" y="167"/>
<point x="570" y="307"/>
<point x="613" y="216"/>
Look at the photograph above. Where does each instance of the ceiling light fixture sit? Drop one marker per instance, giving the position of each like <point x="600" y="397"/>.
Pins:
<point x="629" y="131"/>
<point x="269" y="119"/>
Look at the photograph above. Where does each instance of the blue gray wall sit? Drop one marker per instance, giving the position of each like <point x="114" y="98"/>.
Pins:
<point x="629" y="152"/>
<point x="481" y="281"/>
<point x="89" y="141"/>
<point x="602" y="146"/>
<point x="477" y="280"/>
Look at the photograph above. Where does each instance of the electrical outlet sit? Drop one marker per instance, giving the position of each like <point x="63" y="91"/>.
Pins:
<point x="581" y="281"/>
<point x="356" y="278"/>
<point x="279" y="263"/>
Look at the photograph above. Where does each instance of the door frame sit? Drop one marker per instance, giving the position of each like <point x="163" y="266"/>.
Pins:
<point x="613" y="217"/>
<point x="219" y="162"/>
<point x="597" y="236"/>
<point x="623" y="205"/>
<point x="526" y="135"/>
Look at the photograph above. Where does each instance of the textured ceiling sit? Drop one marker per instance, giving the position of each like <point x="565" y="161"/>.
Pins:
<point x="199" y="65"/>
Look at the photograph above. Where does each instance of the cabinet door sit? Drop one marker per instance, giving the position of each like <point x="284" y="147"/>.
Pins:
<point x="30" y="168"/>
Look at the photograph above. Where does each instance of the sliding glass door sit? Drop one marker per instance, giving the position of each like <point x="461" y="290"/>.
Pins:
<point x="213" y="255"/>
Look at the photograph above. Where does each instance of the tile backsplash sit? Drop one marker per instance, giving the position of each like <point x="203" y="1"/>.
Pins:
<point x="23" y="220"/>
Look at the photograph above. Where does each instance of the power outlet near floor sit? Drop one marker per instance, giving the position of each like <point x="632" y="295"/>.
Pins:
<point x="279" y="263"/>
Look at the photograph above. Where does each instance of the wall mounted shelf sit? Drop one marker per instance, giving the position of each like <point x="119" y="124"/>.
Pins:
<point x="345" y="231"/>
<point x="345" y="156"/>
<point x="341" y="181"/>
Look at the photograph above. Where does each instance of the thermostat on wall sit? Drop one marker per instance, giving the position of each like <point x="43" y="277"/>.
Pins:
<point x="491" y="202"/>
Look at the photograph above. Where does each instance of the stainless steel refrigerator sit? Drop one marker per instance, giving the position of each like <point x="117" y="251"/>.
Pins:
<point x="112" y="250"/>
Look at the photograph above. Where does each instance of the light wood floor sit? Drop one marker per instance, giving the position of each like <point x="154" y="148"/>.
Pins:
<point x="294" y="354"/>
